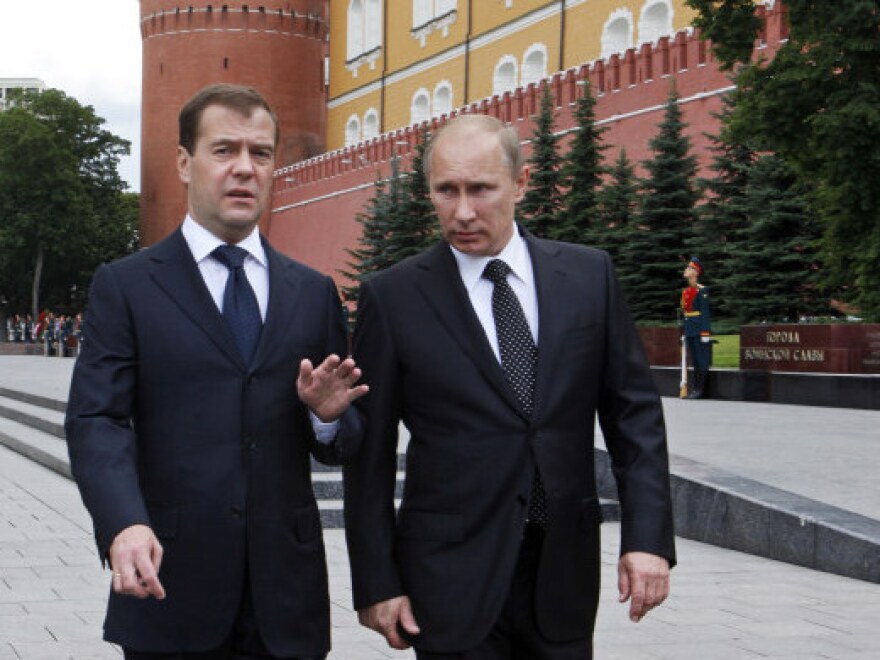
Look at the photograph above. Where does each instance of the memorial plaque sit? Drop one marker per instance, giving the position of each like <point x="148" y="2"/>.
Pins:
<point x="842" y="348"/>
<point x="662" y="345"/>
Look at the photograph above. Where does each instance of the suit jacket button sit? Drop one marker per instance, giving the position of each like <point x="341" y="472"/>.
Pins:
<point x="237" y="512"/>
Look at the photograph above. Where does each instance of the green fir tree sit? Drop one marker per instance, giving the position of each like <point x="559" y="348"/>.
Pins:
<point x="658" y="247"/>
<point x="817" y="105"/>
<point x="582" y="174"/>
<point x="724" y="216"/>
<point x="398" y="221"/>
<point x="775" y="269"/>
<point x="542" y="203"/>
<point x="618" y="213"/>
<point x="414" y="226"/>
<point x="376" y="220"/>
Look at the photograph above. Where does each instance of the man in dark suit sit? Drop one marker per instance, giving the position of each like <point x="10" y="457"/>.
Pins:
<point x="189" y="427"/>
<point x="497" y="350"/>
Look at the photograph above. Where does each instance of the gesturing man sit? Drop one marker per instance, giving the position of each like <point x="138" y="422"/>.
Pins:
<point x="196" y="404"/>
<point x="497" y="350"/>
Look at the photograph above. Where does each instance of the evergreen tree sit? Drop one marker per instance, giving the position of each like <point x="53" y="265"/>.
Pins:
<point x="414" y="226"/>
<point x="542" y="202"/>
<point x="618" y="213"/>
<point x="815" y="104"/>
<point x="398" y="222"/>
<point x="775" y="269"/>
<point x="723" y="218"/>
<point x="582" y="174"/>
<point x="376" y="221"/>
<point x="658" y="248"/>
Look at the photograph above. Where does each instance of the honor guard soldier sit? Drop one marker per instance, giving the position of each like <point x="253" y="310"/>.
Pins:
<point x="697" y="330"/>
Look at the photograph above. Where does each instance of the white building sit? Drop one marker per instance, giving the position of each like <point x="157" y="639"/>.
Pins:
<point x="9" y="84"/>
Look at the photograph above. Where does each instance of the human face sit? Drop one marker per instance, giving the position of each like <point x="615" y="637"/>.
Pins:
<point x="690" y="274"/>
<point x="229" y="175"/>
<point x="474" y="192"/>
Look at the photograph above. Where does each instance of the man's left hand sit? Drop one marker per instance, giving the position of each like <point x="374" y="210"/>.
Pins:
<point x="329" y="388"/>
<point x="643" y="579"/>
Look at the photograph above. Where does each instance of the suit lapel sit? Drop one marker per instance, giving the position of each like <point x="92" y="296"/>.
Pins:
<point x="284" y="292"/>
<point x="441" y="285"/>
<point x="552" y="308"/>
<point x="175" y="272"/>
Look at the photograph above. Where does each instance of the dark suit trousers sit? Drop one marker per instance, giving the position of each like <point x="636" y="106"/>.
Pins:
<point x="244" y="643"/>
<point x="515" y="635"/>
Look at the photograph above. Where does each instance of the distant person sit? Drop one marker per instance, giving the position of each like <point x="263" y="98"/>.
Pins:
<point x="195" y="406"/>
<point x="697" y="326"/>
<point x="497" y="350"/>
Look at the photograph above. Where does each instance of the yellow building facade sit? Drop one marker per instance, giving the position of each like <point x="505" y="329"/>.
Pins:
<point x="394" y="63"/>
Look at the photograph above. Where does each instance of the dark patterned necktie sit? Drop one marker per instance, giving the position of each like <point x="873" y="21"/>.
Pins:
<point x="240" y="308"/>
<point x="519" y="360"/>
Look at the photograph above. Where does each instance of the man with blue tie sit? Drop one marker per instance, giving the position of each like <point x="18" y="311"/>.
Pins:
<point x="498" y="350"/>
<point x="195" y="407"/>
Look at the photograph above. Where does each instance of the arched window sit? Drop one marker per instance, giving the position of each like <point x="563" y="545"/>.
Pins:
<point x="505" y="77"/>
<point x="617" y="34"/>
<point x="655" y="21"/>
<point x="355" y="29"/>
<point x="442" y="99"/>
<point x="421" y="107"/>
<point x="423" y="11"/>
<point x="352" y="131"/>
<point x="373" y="25"/>
<point x="534" y="68"/>
<point x="371" y="124"/>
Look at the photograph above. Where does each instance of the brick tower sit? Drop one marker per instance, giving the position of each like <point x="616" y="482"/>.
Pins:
<point x="276" y="46"/>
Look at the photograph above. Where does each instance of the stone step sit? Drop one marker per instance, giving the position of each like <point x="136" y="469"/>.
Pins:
<point x="47" y="420"/>
<point x="44" y="448"/>
<point x="34" y="399"/>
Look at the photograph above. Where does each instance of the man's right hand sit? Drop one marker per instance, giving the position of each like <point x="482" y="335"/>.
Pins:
<point x="135" y="557"/>
<point x="384" y="617"/>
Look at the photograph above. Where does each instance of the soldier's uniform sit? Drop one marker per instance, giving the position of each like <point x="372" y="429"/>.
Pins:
<point x="697" y="330"/>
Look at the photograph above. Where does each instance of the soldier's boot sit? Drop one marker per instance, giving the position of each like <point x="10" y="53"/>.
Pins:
<point x="699" y="389"/>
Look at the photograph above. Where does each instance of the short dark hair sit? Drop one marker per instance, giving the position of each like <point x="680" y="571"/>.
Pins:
<point x="240" y="98"/>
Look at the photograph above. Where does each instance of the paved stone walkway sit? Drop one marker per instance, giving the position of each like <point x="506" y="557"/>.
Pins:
<point x="724" y="604"/>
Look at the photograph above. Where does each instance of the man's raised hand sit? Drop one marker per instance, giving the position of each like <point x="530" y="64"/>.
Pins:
<point x="329" y="388"/>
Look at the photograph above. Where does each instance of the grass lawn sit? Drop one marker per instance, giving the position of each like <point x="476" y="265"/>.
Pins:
<point x="726" y="352"/>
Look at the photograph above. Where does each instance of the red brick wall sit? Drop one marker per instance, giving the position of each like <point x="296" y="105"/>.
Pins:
<point x="315" y="201"/>
<point x="281" y="54"/>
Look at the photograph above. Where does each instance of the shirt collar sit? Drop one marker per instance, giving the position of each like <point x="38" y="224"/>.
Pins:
<point x="202" y="243"/>
<point x="515" y="254"/>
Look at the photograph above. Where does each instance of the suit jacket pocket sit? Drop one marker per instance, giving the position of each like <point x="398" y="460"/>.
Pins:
<point x="307" y="524"/>
<point x="431" y="525"/>
<point x="163" y="520"/>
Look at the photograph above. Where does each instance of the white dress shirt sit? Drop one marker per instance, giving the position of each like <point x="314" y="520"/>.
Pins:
<point x="521" y="279"/>
<point x="202" y="243"/>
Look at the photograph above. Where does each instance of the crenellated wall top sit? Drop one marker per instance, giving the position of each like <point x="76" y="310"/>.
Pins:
<point x="679" y="55"/>
<point x="307" y="18"/>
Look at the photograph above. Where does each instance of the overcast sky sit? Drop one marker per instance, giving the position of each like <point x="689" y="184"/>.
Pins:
<point x="90" y="50"/>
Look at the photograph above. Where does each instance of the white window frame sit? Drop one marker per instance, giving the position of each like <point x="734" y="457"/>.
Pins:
<point x="497" y="88"/>
<point x="415" y="118"/>
<point x="364" y="34"/>
<point x="438" y="109"/>
<point x="611" y="46"/>
<point x="648" y="32"/>
<point x="352" y="135"/>
<point x="370" y="128"/>
<point x="526" y="75"/>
